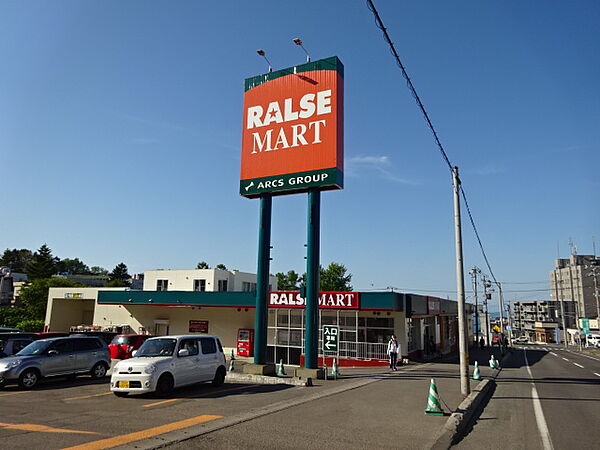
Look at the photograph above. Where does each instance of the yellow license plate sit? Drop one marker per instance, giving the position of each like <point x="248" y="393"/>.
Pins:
<point x="124" y="384"/>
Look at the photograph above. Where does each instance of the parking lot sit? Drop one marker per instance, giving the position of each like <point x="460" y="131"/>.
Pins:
<point x="85" y="414"/>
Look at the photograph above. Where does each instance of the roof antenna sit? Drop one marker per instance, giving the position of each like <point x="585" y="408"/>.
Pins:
<point x="262" y="53"/>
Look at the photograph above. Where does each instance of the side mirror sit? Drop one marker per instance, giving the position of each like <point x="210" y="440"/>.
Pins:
<point x="133" y="353"/>
<point x="52" y="352"/>
<point x="183" y="352"/>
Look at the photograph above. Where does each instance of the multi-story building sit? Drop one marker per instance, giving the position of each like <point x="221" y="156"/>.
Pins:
<point x="540" y="320"/>
<point x="575" y="280"/>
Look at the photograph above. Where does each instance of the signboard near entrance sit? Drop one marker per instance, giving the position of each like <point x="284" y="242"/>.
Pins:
<point x="198" y="326"/>
<point x="293" y="130"/>
<point x="330" y="338"/>
<point x="331" y="300"/>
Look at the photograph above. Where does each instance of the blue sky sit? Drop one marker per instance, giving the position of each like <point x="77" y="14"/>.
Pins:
<point x="120" y="131"/>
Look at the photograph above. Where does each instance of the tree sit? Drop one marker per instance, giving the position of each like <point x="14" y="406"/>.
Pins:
<point x="16" y="259"/>
<point x="335" y="278"/>
<point x="202" y="265"/>
<point x="97" y="270"/>
<point x="119" y="273"/>
<point x="290" y="281"/>
<point x="221" y="266"/>
<point x="42" y="265"/>
<point x="72" y="267"/>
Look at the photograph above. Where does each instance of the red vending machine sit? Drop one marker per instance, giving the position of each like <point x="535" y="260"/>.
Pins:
<point x="245" y="342"/>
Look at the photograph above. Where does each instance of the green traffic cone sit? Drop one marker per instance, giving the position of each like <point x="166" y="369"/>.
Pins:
<point x="280" y="369"/>
<point x="231" y="365"/>
<point x="493" y="363"/>
<point x="334" y="369"/>
<point x="476" y="374"/>
<point x="434" y="407"/>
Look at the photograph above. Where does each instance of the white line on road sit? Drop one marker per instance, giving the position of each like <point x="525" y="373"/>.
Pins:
<point x="552" y="353"/>
<point x="597" y="374"/>
<point x="579" y="365"/>
<point x="539" y="412"/>
<point x="565" y="359"/>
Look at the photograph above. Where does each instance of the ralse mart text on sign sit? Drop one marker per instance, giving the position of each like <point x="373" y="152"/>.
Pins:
<point x="335" y="300"/>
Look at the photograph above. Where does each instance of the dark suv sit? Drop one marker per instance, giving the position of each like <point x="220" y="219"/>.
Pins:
<point x="68" y="356"/>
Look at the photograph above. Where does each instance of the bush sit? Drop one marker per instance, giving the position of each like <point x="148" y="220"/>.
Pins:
<point x="10" y="317"/>
<point x="31" y="325"/>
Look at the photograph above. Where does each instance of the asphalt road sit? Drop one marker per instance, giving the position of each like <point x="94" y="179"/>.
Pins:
<point x="567" y="387"/>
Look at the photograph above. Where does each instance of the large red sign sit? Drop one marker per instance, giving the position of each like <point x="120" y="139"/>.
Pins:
<point x="330" y="300"/>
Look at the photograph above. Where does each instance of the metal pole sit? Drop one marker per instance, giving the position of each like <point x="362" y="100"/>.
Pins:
<point x="562" y="308"/>
<point x="576" y="303"/>
<point x="262" y="280"/>
<point x="465" y="388"/>
<point x="474" y="278"/>
<point x="311" y="342"/>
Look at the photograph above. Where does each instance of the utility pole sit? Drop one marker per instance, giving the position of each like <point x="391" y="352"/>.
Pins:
<point x="562" y="307"/>
<point x="501" y="302"/>
<point x="473" y="272"/>
<point x="465" y="388"/>
<point x="487" y="296"/>
<point x="576" y="303"/>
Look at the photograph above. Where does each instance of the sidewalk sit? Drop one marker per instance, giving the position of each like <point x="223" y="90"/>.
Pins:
<point x="366" y="407"/>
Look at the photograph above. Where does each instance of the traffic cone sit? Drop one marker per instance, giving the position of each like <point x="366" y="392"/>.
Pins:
<point x="334" y="369"/>
<point x="493" y="363"/>
<point x="232" y="356"/>
<point x="231" y="365"/>
<point x="280" y="369"/>
<point x="434" y="407"/>
<point x="476" y="374"/>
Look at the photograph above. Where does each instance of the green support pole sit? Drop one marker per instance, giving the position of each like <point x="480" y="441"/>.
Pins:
<point x="262" y="280"/>
<point x="311" y="340"/>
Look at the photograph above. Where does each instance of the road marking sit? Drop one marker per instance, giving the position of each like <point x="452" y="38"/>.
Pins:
<point x="552" y="353"/>
<point x="41" y="428"/>
<point x="539" y="412"/>
<point x="579" y="365"/>
<point x="144" y="434"/>
<point x="597" y="374"/>
<point x="87" y="396"/>
<point x="565" y="359"/>
<point x="237" y="388"/>
<point x="14" y="393"/>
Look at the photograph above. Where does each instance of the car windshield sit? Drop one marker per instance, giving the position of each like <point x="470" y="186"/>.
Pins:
<point x="124" y="340"/>
<point x="157" y="347"/>
<point x="35" y="348"/>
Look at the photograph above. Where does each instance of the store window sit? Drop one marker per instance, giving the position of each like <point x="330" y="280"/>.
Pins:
<point x="248" y="287"/>
<point x="162" y="285"/>
<point x="199" y="285"/>
<point x="222" y="285"/>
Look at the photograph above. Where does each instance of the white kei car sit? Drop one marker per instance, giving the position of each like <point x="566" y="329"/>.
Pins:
<point x="165" y="362"/>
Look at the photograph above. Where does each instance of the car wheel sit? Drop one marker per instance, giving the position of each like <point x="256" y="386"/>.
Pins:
<point x="219" y="378"/>
<point x="165" y="384"/>
<point x="29" y="378"/>
<point x="120" y="394"/>
<point x="98" y="371"/>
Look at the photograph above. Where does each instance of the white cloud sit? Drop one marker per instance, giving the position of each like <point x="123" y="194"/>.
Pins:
<point x="381" y="165"/>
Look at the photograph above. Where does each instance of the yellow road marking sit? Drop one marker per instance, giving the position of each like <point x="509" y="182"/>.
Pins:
<point x="88" y="396"/>
<point x="144" y="434"/>
<point x="149" y="405"/>
<point x="15" y="393"/>
<point x="41" y="428"/>
<point x="162" y="402"/>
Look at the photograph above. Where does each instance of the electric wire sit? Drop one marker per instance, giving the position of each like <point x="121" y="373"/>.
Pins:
<point x="413" y="91"/>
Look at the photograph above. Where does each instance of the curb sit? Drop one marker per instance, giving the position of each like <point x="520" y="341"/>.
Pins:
<point x="454" y="428"/>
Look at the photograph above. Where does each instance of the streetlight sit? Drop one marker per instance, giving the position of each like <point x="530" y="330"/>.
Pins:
<point x="262" y="53"/>
<point x="298" y="42"/>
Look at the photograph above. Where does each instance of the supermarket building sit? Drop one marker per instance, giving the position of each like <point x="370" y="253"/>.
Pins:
<point x="179" y="302"/>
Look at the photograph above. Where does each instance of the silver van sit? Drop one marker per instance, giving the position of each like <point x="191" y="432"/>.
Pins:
<point x="64" y="356"/>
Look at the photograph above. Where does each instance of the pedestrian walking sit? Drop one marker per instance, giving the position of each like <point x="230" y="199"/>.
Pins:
<point x="392" y="350"/>
<point x="481" y="342"/>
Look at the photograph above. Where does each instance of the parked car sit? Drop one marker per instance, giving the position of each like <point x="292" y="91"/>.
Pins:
<point x="106" y="336"/>
<point x="521" y="340"/>
<point x="51" y="334"/>
<point x="9" y="330"/>
<point x="123" y="345"/>
<point x="592" y="340"/>
<point x="13" y="343"/>
<point x="163" y="363"/>
<point x="66" y="356"/>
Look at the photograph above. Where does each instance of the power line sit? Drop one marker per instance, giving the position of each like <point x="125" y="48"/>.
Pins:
<point x="413" y="91"/>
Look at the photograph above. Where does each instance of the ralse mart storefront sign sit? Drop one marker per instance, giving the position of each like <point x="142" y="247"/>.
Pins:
<point x="331" y="300"/>
<point x="292" y="137"/>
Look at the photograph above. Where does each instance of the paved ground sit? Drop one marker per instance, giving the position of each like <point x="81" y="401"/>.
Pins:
<point x="567" y="384"/>
<point x="367" y="406"/>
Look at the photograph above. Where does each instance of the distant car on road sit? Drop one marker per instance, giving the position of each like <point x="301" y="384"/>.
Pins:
<point x="123" y="345"/>
<point x="68" y="356"/>
<point x="165" y="362"/>
<point x="521" y="340"/>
